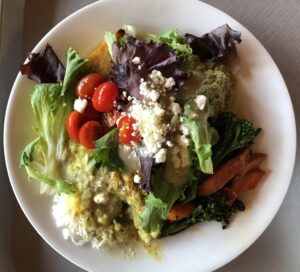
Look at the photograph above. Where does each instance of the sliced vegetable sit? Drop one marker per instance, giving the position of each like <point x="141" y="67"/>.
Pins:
<point x="224" y="173"/>
<point x="216" y="44"/>
<point x="231" y="194"/>
<point x="43" y="67"/>
<point x="74" y="122"/>
<point x="85" y="88"/>
<point x="180" y="211"/>
<point x="247" y="182"/>
<point x="255" y="160"/>
<point x="89" y="133"/>
<point x="127" y="134"/>
<point x="105" y="96"/>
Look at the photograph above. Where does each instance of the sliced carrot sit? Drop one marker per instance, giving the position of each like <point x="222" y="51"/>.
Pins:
<point x="255" y="160"/>
<point x="247" y="182"/>
<point x="225" y="173"/>
<point x="180" y="211"/>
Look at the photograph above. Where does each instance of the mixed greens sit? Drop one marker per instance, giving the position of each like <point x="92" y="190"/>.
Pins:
<point x="166" y="103"/>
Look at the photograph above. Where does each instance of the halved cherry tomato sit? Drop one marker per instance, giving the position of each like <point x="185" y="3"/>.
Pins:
<point x="127" y="134"/>
<point x="74" y="122"/>
<point x="89" y="133"/>
<point x="85" y="88"/>
<point x="104" y="96"/>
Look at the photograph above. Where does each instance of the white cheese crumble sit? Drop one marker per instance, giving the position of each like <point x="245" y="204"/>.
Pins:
<point x="161" y="155"/>
<point x="175" y="108"/>
<point x="149" y="123"/>
<point x="101" y="198"/>
<point x="184" y="129"/>
<point x="201" y="102"/>
<point x="80" y="105"/>
<point x="155" y="85"/>
<point x="136" y="60"/>
<point x="137" y="178"/>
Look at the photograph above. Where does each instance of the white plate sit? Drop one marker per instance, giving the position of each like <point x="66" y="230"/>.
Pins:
<point x="263" y="98"/>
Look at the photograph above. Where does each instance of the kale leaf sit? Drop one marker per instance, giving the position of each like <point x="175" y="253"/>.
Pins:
<point x="234" y="133"/>
<point x="210" y="208"/>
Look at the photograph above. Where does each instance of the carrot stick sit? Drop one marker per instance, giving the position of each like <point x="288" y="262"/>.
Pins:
<point x="180" y="210"/>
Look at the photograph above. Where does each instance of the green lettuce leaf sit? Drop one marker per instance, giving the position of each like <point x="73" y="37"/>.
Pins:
<point x="76" y="68"/>
<point x="159" y="202"/>
<point x="45" y="157"/>
<point x="201" y="135"/>
<point x="107" y="151"/>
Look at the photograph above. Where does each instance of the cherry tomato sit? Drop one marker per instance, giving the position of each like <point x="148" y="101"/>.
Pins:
<point x="127" y="133"/>
<point x="90" y="113"/>
<point x="85" y="88"/>
<point x="104" y="96"/>
<point x="89" y="133"/>
<point x="73" y="123"/>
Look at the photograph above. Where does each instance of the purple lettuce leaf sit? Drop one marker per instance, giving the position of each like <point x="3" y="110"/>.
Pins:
<point x="153" y="56"/>
<point x="217" y="44"/>
<point x="43" y="67"/>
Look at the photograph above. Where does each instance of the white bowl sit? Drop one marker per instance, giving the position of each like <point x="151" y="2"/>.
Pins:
<point x="263" y="98"/>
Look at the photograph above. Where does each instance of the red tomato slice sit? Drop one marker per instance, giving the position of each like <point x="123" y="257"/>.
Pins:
<point x="85" y="88"/>
<point x="104" y="96"/>
<point x="73" y="123"/>
<point x="127" y="134"/>
<point x="89" y="133"/>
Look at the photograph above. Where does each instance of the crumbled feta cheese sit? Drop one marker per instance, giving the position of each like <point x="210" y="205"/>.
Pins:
<point x="136" y="60"/>
<point x="201" y="101"/>
<point x="175" y="108"/>
<point x="140" y="67"/>
<point x="169" y="143"/>
<point x="184" y="130"/>
<point x="149" y="123"/>
<point x="183" y="140"/>
<point x="169" y="83"/>
<point x="124" y="94"/>
<point x="137" y="178"/>
<point x="152" y="94"/>
<point x="80" y="105"/>
<point x="101" y="198"/>
<point x="161" y="155"/>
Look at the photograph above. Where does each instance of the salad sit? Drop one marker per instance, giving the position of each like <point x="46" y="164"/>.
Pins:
<point x="137" y="141"/>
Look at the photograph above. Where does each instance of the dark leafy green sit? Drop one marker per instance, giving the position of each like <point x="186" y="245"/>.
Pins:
<point x="216" y="44"/>
<point x="234" y="133"/>
<point x="211" y="208"/>
<point x="43" y="67"/>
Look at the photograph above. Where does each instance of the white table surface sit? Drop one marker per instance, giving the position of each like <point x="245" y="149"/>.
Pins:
<point x="276" y="23"/>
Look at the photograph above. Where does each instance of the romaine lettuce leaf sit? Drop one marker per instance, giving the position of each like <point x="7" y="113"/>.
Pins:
<point x="44" y="158"/>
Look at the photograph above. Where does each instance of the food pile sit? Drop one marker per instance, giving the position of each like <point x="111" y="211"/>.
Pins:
<point x="137" y="141"/>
